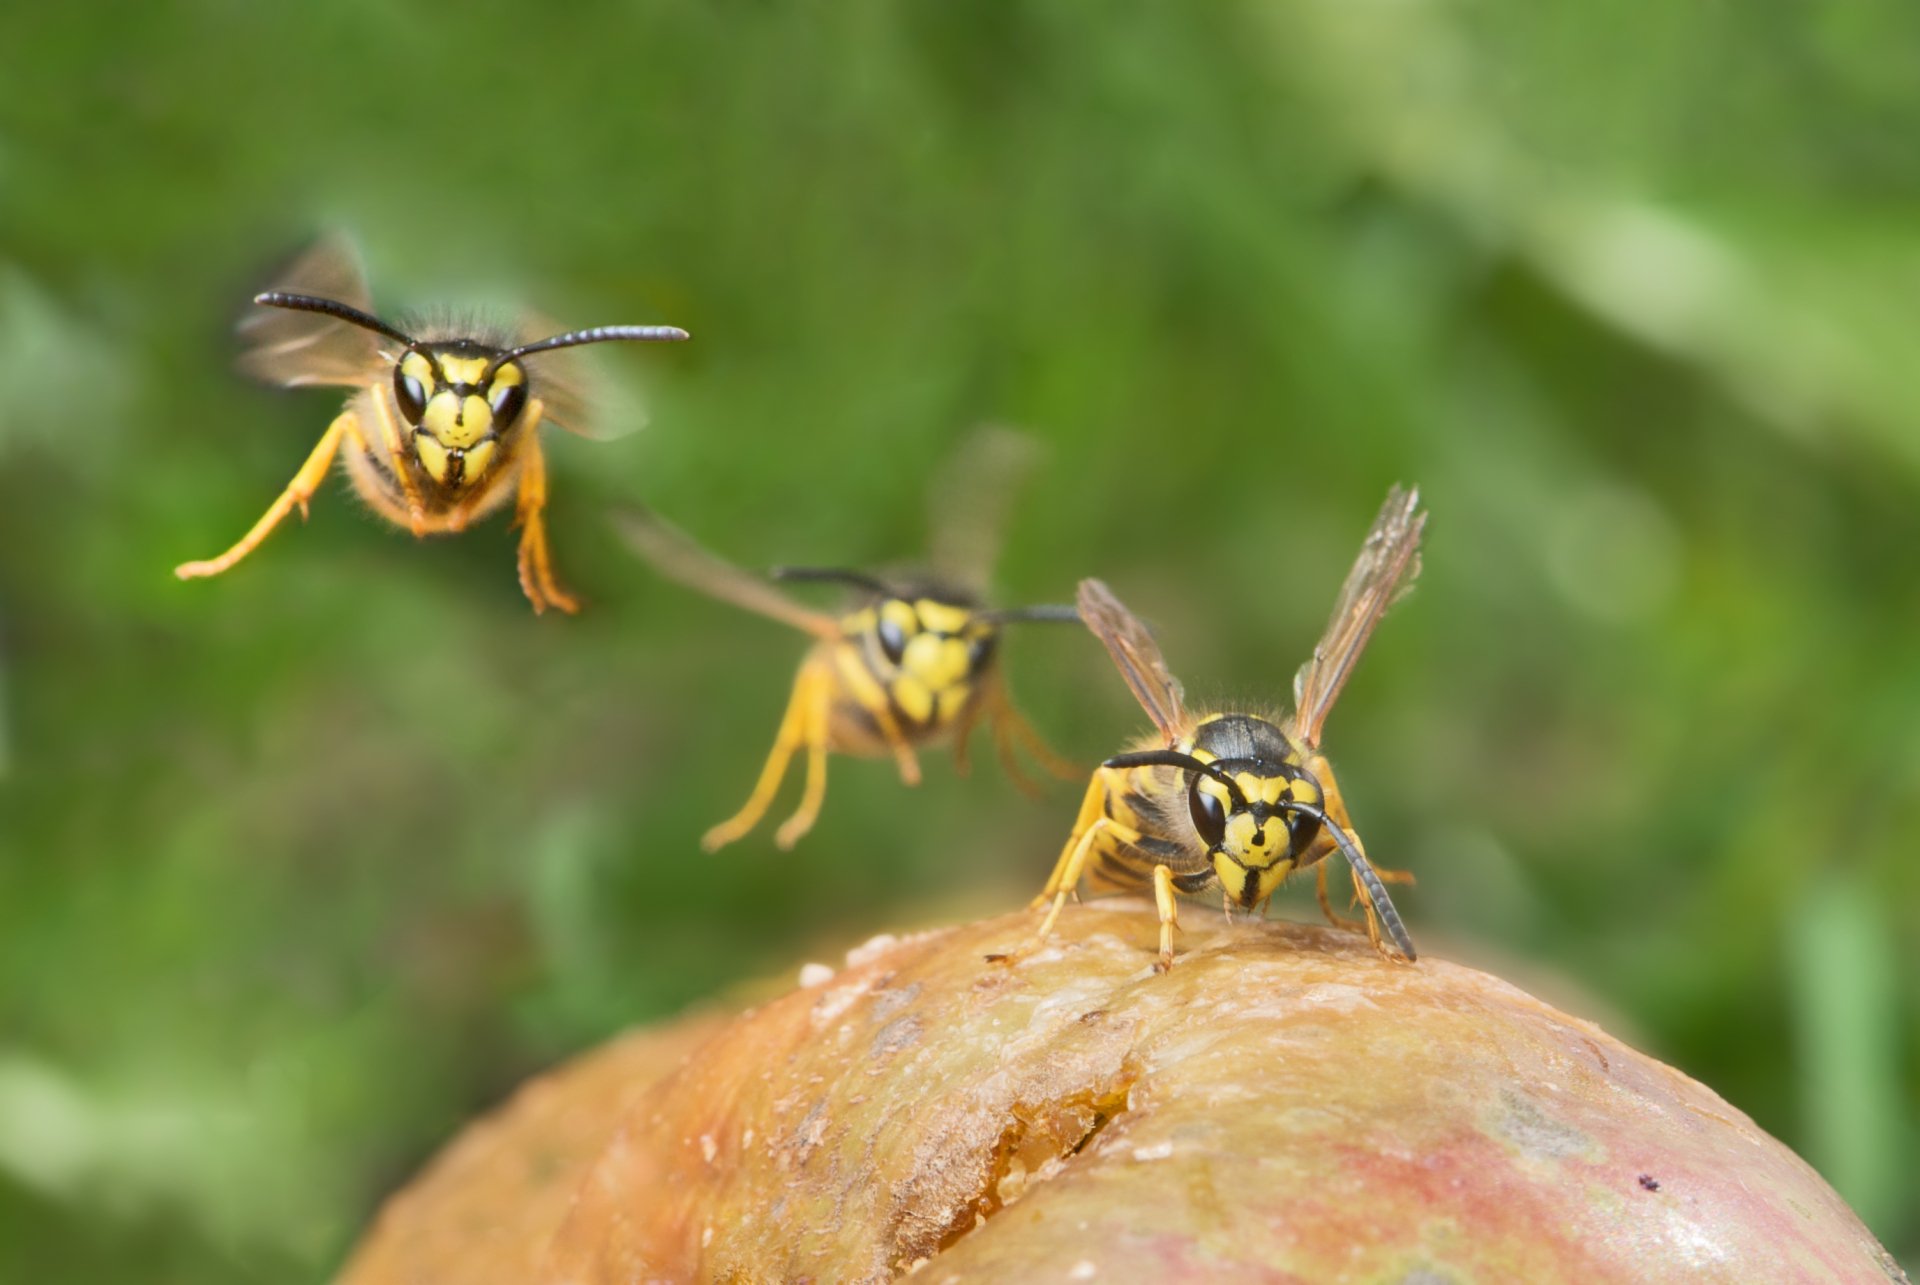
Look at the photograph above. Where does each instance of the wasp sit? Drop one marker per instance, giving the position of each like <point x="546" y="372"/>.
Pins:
<point x="443" y="429"/>
<point x="1236" y="800"/>
<point x="911" y="663"/>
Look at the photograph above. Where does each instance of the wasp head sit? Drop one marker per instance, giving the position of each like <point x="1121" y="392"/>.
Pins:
<point x="459" y="399"/>
<point x="1247" y="813"/>
<point x="928" y="652"/>
<point x="459" y="396"/>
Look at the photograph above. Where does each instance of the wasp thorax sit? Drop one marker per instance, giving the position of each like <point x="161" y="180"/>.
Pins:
<point x="458" y="408"/>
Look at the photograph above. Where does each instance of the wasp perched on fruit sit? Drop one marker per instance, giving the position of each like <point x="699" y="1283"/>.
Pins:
<point x="913" y="662"/>
<point x="444" y="428"/>
<point x="1233" y="799"/>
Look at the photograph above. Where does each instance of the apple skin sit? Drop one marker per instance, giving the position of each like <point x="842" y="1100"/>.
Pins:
<point x="1284" y="1105"/>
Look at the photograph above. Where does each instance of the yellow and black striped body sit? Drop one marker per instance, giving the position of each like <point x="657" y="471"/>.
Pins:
<point x="1185" y="822"/>
<point x="917" y="660"/>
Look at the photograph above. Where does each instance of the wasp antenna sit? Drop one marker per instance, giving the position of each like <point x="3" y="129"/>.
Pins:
<point x="593" y="335"/>
<point x="835" y="575"/>
<point x="1186" y="763"/>
<point x="1012" y="615"/>
<point x="1376" y="890"/>
<point x="331" y="308"/>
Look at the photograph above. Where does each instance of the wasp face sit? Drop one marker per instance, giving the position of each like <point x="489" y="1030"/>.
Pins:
<point x="1251" y="834"/>
<point x="928" y="653"/>
<point x="458" y="410"/>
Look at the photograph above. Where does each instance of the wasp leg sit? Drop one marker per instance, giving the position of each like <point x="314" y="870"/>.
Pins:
<point x="1169" y="915"/>
<point x="790" y="737"/>
<point x="872" y="698"/>
<point x="963" y="733"/>
<point x="1093" y="806"/>
<point x="345" y="427"/>
<point x="1073" y="865"/>
<point x="1011" y="727"/>
<point x="536" y="568"/>
<point x="1334" y="917"/>
<point x="400" y="453"/>
<point x="814" y="734"/>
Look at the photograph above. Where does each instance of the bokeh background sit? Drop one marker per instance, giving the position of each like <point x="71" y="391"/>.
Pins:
<point x="301" y="867"/>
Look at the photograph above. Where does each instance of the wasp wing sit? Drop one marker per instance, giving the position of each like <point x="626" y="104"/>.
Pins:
<point x="299" y="349"/>
<point x="1137" y="657"/>
<point x="1388" y="562"/>
<point x="677" y="556"/>
<point x="970" y="501"/>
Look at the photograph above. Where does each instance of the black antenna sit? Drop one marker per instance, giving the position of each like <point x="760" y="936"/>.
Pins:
<point x="595" y="335"/>
<point x="331" y="308"/>
<point x="835" y="575"/>
<point x="1014" y="615"/>
<point x="1376" y="890"/>
<point x="1186" y="763"/>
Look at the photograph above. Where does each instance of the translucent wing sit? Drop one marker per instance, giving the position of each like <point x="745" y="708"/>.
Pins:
<point x="1388" y="562"/>
<point x="971" y="499"/>
<point x="676" y="555"/>
<point x="578" y="396"/>
<point x="306" y="348"/>
<point x="1138" y="658"/>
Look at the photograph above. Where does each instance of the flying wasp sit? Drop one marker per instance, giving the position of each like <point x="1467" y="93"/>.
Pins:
<point x="1232" y="799"/>
<point x="444" y="427"/>
<point x="913" y="662"/>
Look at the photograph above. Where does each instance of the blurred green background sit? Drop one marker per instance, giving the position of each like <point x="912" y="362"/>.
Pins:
<point x="301" y="867"/>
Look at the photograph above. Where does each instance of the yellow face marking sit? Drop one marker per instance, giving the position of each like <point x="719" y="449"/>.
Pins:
<point x="479" y="460"/>
<point x="416" y="365"/>
<point x="1233" y="878"/>
<point x="935" y="660"/>
<point x="941" y="617"/>
<point x="432" y="456"/>
<point x="458" y="423"/>
<point x="915" y="698"/>
<point x="463" y="370"/>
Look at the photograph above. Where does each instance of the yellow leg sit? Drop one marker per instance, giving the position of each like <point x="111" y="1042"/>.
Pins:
<point x="790" y="737"/>
<point x="1361" y="899"/>
<point x="1093" y="805"/>
<point x="536" y="568"/>
<point x="1169" y="915"/>
<point x="1073" y="865"/>
<point x="814" y="732"/>
<point x="400" y="452"/>
<point x="345" y="427"/>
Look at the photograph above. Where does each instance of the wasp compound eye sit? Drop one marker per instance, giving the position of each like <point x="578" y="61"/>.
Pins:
<point x="1208" y="812"/>
<point x="893" y="638"/>
<point x="410" y="392"/>
<point x="507" y="400"/>
<point x="980" y="653"/>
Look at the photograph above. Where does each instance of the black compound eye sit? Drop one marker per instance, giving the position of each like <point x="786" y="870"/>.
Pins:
<point x="980" y="653"/>
<point x="893" y="639"/>
<point x="1208" y="812"/>
<point x="410" y="393"/>
<point x="507" y="400"/>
